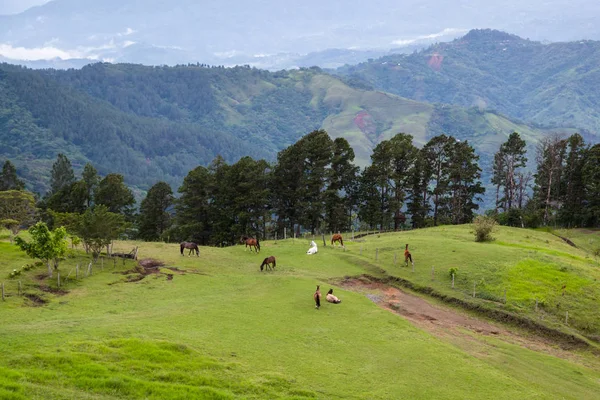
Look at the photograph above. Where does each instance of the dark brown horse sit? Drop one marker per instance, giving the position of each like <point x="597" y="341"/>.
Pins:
<point x="191" y="246"/>
<point x="269" y="263"/>
<point x="250" y="242"/>
<point x="317" y="297"/>
<point x="337" y="238"/>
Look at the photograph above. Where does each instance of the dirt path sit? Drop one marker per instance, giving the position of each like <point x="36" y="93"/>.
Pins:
<point x="446" y="322"/>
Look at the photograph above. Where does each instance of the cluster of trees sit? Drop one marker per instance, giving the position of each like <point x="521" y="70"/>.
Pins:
<point x="562" y="191"/>
<point x="314" y="186"/>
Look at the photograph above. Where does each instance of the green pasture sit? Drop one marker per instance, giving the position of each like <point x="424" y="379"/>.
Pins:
<point x="221" y="329"/>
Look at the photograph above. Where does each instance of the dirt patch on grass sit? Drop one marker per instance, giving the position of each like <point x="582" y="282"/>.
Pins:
<point x="56" y="291"/>
<point x="446" y="322"/>
<point x="151" y="266"/>
<point x="418" y="310"/>
<point x="34" y="300"/>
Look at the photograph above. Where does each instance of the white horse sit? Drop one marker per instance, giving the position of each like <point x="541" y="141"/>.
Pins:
<point x="313" y="248"/>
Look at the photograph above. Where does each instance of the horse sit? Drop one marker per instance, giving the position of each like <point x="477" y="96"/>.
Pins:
<point x="407" y="256"/>
<point x="250" y="242"/>
<point x="313" y="248"/>
<point x="269" y="263"/>
<point x="317" y="297"/>
<point x="189" y="245"/>
<point x="337" y="238"/>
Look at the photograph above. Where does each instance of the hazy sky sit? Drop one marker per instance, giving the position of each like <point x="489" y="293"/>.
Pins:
<point x="16" y="6"/>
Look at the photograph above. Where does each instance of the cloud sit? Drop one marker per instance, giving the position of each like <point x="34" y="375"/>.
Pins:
<point x="36" y="53"/>
<point x="445" y="32"/>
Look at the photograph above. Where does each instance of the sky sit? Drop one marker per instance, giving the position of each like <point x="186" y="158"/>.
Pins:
<point x="17" y="6"/>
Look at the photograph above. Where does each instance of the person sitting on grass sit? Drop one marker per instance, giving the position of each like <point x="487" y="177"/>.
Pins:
<point x="332" y="298"/>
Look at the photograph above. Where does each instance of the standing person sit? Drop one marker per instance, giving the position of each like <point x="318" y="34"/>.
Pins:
<point x="408" y="256"/>
<point x="317" y="297"/>
<point x="332" y="298"/>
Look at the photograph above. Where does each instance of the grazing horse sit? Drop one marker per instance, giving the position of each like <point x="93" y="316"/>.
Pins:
<point x="189" y="245"/>
<point x="337" y="238"/>
<point x="250" y="242"/>
<point x="317" y="297"/>
<point x="407" y="256"/>
<point x="269" y="263"/>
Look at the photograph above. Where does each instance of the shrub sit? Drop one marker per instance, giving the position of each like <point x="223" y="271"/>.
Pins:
<point x="483" y="227"/>
<point x="453" y="271"/>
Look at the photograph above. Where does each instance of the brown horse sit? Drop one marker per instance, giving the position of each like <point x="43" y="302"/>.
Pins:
<point x="269" y="263"/>
<point x="337" y="238"/>
<point x="191" y="246"/>
<point x="250" y="242"/>
<point x="407" y="256"/>
<point x="317" y="297"/>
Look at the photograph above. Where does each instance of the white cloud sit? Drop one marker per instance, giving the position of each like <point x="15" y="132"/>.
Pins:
<point x="37" y="53"/>
<point x="445" y="32"/>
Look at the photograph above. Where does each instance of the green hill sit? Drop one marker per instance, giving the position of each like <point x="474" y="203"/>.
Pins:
<point x="216" y="327"/>
<point x="552" y="85"/>
<point x="157" y="123"/>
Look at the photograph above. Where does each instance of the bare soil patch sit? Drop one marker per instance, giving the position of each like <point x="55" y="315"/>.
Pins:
<point x="151" y="266"/>
<point x="35" y="300"/>
<point x="57" y="291"/>
<point x="445" y="322"/>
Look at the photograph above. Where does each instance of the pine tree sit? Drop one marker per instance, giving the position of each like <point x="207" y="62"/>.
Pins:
<point x="114" y="194"/>
<point x="9" y="179"/>
<point x="341" y="192"/>
<point x="464" y="183"/>
<point x="507" y="161"/>
<point x="62" y="174"/>
<point x="154" y="217"/>
<point x="549" y="157"/>
<point x="571" y="213"/>
<point x="91" y="179"/>
<point x="438" y="153"/>
<point x="193" y="207"/>
<point x="591" y="182"/>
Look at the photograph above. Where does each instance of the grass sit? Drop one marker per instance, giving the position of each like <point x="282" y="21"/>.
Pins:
<point x="224" y="330"/>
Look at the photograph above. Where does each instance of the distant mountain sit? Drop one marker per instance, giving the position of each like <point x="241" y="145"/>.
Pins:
<point x="552" y="84"/>
<point x="271" y="34"/>
<point x="157" y="123"/>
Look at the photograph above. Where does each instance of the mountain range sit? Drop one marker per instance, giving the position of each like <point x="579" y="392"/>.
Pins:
<point x="269" y="34"/>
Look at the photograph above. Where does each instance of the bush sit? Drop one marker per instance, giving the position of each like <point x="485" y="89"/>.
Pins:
<point x="483" y="227"/>
<point x="453" y="271"/>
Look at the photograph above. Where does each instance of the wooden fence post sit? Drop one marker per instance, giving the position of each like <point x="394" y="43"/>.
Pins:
<point x="474" y="284"/>
<point x="77" y="271"/>
<point x="57" y="279"/>
<point x="376" y="254"/>
<point x="453" y="280"/>
<point x="284" y="233"/>
<point x="324" y="244"/>
<point x="566" y="315"/>
<point x="504" y="295"/>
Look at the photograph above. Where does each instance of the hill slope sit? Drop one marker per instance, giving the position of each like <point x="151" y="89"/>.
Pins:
<point x="157" y="123"/>
<point x="544" y="84"/>
<point x="219" y="328"/>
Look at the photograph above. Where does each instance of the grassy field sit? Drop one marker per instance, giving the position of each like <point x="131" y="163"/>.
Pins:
<point x="221" y="329"/>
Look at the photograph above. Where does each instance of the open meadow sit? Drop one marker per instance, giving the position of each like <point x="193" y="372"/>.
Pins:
<point x="216" y="327"/>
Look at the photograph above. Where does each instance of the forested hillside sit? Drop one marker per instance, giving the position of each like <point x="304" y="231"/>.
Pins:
<point x="158" y="123"/>
<point x="543" y="84"/>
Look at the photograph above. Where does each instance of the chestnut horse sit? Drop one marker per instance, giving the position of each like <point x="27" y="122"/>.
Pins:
<point x="317" y="297"/>
<point x="191" y="246"/>
<point x="337" y="238"/>
<point x="269" y="263"/>
<point x="250" y="242"/>
<point x="407" y="256"/>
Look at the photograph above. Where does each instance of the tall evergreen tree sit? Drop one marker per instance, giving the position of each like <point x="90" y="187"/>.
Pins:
<point x="91" y="179"/>
<point x="573" y="191"/>
<point x="9" y="179"/>
<point x="114" y="194"/>
<point x="438" y="152"/>
<point x="193" y="207"/>
<point x="341" y="193"/>
<point x="464" y="183"/>
<point x="591" y="182"/>
<point x="507" y="161"/>
<point x="549" y="158"/>
<point x="419" y="205"/>
<point x="154" y="217"/>
<point x="62" y="174"/>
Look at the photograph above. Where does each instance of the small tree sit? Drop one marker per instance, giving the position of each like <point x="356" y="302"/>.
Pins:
<point x="98" y="227"/>
<point x="17" y="208"/>
<point x="483" y="227"/>
<point x="45" y="245"/>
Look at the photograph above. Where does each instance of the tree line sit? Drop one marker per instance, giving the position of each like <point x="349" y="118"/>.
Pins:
<point x="314" y="186"/>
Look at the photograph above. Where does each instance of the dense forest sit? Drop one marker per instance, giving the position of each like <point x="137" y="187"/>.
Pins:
<point x="552" y="85"/>
<point x="157" y="123"/>
<point x="314" y="186"/>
